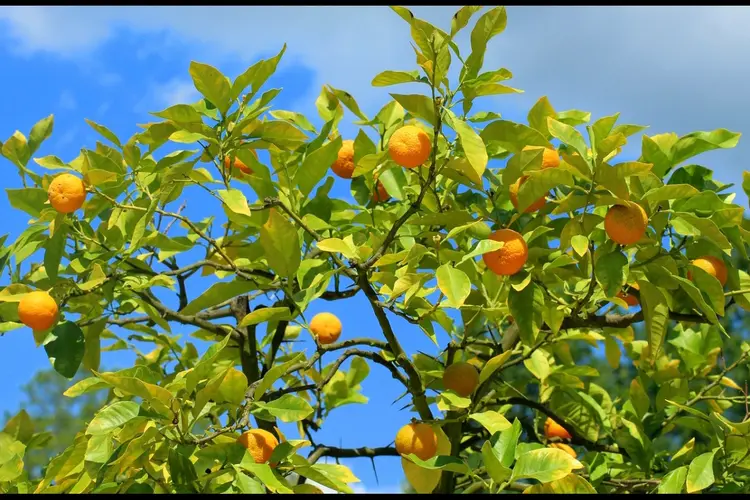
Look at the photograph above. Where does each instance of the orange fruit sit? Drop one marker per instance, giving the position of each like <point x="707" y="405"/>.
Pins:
<point x="629" y="299"/>
<point x="380" y="194"/>
<point x="419" y="439"/>
<point x="66" y="193"/>
<point x="626" y="224"/>
<point x="461" y="378"/>
<point x="554" y="430"/>
<point x="550" y="157"/>
<point x="713" y="266"/>
<point x="259" y="443"/>
<point x="344" y="164"/>
<point x="239" y="164"/>
<point x="511" y="257"/>
<point x="409" y="146"/>
<point x="564" y="447"/>
<point x="37" y="310"/>
<point x="515" y="187"/>
<point x="325" y="327"/>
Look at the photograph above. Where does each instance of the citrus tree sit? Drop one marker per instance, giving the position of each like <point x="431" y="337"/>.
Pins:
<point x="513" y="246"/>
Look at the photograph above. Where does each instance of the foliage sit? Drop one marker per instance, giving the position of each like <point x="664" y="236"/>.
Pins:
<point x="275" y="241"/>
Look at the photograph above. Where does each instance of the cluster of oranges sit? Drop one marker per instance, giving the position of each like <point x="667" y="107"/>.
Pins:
<point x="409" y="147"/>
<point x="38" y="310"/>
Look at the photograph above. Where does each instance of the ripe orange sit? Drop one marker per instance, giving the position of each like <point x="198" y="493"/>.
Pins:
<point x="515" y="187"/>
<point x="564" y="447"/>
<point x="66" y="193"/>
<point x="713" y="266"/>
<point x="629" y="299"/>
<point x="239" y="164"/>
<point x="37" y="310"/>
<point x="409" y="146"/>
<point x="259" y="443"/>
<point x="325" y="327"/>
<point x="344" y="164"/>
<point x="626" y="224"/>
<point x="511" y="257"/>
<point x="550" y="157"/>
<point x="462" y="378"/>
<point x="554" y="430"/>
<point x="380" y="194"/>
<point x="419" y="439"/>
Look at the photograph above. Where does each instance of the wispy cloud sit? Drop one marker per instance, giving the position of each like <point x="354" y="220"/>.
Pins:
<point x="67" y="101"/>
<point x="103" y="108"/>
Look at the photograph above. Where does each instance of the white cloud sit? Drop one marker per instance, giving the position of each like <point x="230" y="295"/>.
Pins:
<point x="680" y="69"/>
<point x="166" y="94"/>
<point x="67" y="101"/>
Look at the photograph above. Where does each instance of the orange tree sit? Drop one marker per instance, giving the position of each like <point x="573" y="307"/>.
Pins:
<point x="518" y="261"/>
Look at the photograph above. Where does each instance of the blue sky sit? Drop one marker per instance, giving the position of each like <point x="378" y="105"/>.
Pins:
<point x="675" y="69"/>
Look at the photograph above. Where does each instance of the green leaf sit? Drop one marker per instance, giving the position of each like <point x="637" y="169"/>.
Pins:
<point x="570" y="484"/>
<point x="656" y="314"/>
<point x="105" y="132"/>
<point x="246" y="484"/>
<point x="295" y="118"/>
<point x="112" y="417"/>
<point x="159" y="397"/>
<point x="504" y="443"/>
<point x="482" y="247"/>
<point x="611" y="271"/>
<point x="461" y="18"/>
<point x="674" y="482"/>
<point x="235" y="200"/>
<point x="348" y="100"/>
<point x="40" y="132"/>
<point x="471" y="142"/>
<point x="212" y="84"/>
<point x="419" y="106"/>
<point x="30" y="200"/>
<point x="671" y="192"/>
<point x="568" y="135"/>
<point x="526" y="307"/>
<point x="266" y="315"/>
<point x="538" y="365"/>
<point x="280" y="241"/>
<point x="288" y="408"/>
<point x="441" y="462"/>
<point x="699" y="142"/>
<point x="54" y="249"/>
<point x="265" y="474"/>
<point x="20" y="427"/>
<point x="387" y="78"/>
<point x="216" y="294"/>
<point x="180" y="113"/>
<point x="700" y="474"/>
<point x="512" y="136"/>
<point x="274" y="374"/>
<point x="316" y="165"/>
<point x="545" y="465"/>
<point x="65" y="348"/>
<point x="491" y="420"/>
<point x="538" y="184"/>
<point x="454" y="283"/>
<point x="580" y="244"/>
<point x="256" y="75"/>
<point x="492" y="365"/>
<point x="539" y="113"/>
<point x="489" y="25"/>
<point x="337" y="245"/>
<point x="181" y="469"/>
<point x="496" y="470"/>
<point x="232" y="387"/>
